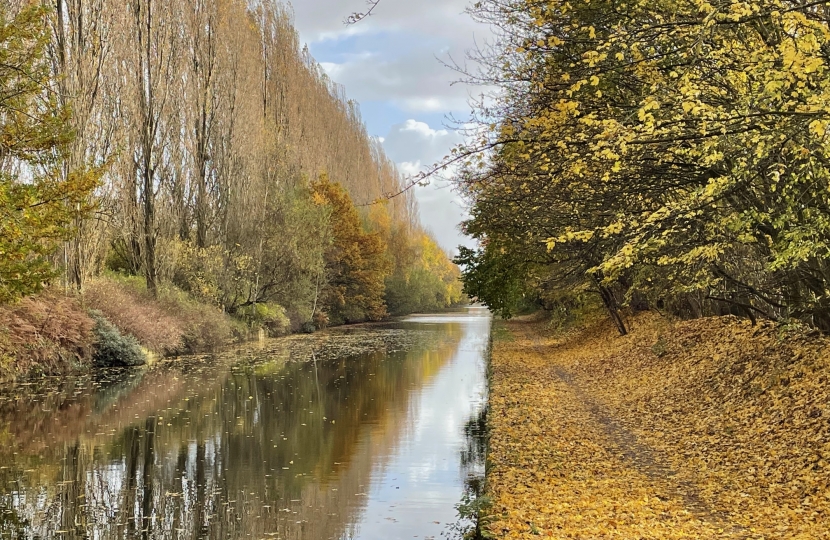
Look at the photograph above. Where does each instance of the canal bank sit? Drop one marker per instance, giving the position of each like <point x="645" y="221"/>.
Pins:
<point x="700" y="429"/>
<point x="353" y="433"/>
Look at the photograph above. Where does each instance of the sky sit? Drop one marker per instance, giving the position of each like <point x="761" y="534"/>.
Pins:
<point x="391" y="63"/>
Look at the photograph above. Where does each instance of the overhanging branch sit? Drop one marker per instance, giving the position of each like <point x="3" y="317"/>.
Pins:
<point x="356" y="17"/>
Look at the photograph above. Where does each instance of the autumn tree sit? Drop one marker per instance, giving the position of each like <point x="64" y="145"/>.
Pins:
<point x="666" y="149"/>
<point x="38" y="204"/>
<point x="152" y="79"/>
<point x="356" y="265"/>
<point x="80" y="48"/>
<point x="423" y="278"/>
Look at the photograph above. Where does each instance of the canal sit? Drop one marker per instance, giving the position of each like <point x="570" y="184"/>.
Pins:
<point x="369" y="432"/>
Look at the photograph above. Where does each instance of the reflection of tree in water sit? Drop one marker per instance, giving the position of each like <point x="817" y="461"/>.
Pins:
<point x="474" y="503"/>
<point x="254" y="449"/>
<point x="474" y="453"/>
<point x="11" y="524"/>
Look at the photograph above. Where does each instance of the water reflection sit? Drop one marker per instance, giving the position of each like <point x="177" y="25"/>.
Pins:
<point x="354" y="434"/>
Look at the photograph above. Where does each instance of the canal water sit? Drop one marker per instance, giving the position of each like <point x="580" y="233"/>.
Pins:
<point x="368" y="432"/>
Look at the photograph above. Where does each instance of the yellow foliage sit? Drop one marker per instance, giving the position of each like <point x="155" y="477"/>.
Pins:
<point x="663" y="134"/>
<point x="706" y="429"/>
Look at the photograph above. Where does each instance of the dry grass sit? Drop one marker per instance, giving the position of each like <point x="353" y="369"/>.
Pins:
<point x="170" y="325"/>
<point x="134" y="313"/>
<point x="52" y="333"/>
<point x="46" y="334"/>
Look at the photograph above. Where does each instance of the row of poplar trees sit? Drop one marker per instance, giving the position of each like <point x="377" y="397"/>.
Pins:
<point x="196" y="142"/>
<point x="659" y="153"/>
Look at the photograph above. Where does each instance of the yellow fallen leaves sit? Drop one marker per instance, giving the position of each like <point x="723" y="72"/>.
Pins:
<point x="723" y="435"/>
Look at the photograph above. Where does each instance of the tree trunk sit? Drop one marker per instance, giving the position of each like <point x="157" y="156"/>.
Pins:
<point x="148" y="130"/>
<point x="148" y="492"/>
<point x="610" y="303"/>
<point x="149" y="234"/>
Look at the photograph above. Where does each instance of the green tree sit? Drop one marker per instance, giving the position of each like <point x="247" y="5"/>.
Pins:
<point x="492" y="279"/>
<point x="37" y="208"/>
<point x="423" y="279"/>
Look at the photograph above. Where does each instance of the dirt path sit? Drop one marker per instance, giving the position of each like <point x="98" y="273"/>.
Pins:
<point x="649" y="461"/>
<point x="562" y="466"/>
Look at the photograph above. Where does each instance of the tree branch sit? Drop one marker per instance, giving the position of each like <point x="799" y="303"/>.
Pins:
<point x="356" y="17"/>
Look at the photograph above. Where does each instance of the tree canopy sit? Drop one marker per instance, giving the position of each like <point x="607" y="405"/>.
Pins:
<point x="674" y="149"/>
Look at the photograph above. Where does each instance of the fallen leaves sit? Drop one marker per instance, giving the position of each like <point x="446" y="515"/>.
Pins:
<point x="724" y="434"/>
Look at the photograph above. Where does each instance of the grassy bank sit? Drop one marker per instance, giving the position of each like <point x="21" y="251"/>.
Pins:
<point x="704" y="429"/>
<point x="45" y="334"/>
<point x="169" y="325"/>
<point x="54" y="332"/>
<point x="116" y="319"/>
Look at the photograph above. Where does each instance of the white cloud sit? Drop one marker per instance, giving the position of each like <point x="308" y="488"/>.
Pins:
<point x="431" y="104"/>
<point x="331" y="69"/>
<point x="414" y="81"/>
<point x="409" y="168"/>
<point x="323" y="20"/>
<point x="394" y="58"/>
<point x="417" y="142"/>
<point x="395" y="55"/>
<point x="441" y="213"/>
<point x="415" y="146"/>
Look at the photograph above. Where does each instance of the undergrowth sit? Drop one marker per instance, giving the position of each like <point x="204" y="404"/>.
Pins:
<point x="172" y="324"/>
<point x="46" y="334"/>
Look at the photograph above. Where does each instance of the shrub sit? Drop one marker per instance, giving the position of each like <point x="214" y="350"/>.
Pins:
<point x="271" y="317"/>
<point x="320" y="320"/>
<point x="298" y="316"/>
<point x="201" y="272"/>
<point x="204" y="327"/>
<point x="112" y="349"/>
<point x="124" y="302"/>
<point x="172" y="324"/>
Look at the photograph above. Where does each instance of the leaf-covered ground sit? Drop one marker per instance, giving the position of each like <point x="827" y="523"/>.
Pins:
<point x="704" y="429"/>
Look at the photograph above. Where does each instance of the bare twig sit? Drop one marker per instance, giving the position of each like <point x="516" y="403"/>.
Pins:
<point x="357" y="17"/>
<point x="418" y="180"/>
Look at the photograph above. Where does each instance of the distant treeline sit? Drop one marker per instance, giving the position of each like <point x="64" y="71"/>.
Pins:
<point x="658" y="154"/>
<point x="194" y="142"/>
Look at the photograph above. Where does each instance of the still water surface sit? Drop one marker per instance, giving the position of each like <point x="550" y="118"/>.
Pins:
<point x="365" y="433"/>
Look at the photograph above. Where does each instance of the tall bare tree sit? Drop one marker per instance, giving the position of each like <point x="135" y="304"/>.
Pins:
<point x="79" y="51"/>
<point x="214" y="120"/>
<point x="152" y="28"/>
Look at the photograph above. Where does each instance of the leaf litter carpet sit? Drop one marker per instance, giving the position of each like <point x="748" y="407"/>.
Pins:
<point x="703" y="429"/>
